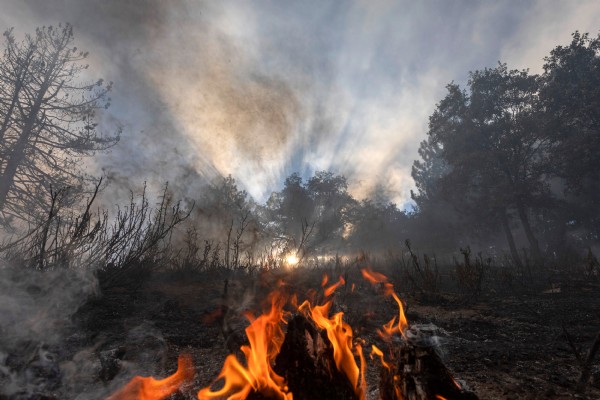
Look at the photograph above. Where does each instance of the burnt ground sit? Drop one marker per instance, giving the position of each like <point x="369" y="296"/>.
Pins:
<point x="515" y="346"/>
<point x="503" y="344"/>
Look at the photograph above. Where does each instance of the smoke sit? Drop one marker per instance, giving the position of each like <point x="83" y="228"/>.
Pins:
<point x="35" y="318"/>
<point x="39" y="304"/>
<point x="43" y="349"/>
<point x="259" y="90"/>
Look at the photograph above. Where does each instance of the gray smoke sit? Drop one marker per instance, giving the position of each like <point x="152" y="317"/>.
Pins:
<point x="35" y="318"/>
<point x="263" y="89"/>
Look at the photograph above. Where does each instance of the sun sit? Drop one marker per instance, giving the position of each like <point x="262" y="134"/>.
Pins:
<point x="292" y="259"/>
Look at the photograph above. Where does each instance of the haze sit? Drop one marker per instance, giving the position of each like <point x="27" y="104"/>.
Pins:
<point x="260" y="90"/>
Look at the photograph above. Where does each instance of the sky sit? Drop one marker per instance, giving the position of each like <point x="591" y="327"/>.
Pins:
<point x="262" y="89"/>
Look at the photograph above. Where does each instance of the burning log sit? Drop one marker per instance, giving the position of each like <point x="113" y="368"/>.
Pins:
<point x="316" y="357"/>
<point x="255" y="379"/>
<point x="306" y="362"/>
<point x="416" y="372"/>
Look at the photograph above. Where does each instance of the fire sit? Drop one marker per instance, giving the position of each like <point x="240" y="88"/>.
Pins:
<point x="458" y="385"/>
<point x="265" y="336"/>
<point x="148" y="388"/>
<point x="363" y="370"/>
<point x="339" y="334"/>
<point x="391" y="327"/>
<point x="372" y="276"/>
<point x="329" y="290"/>
<point x="324" y="280"/>
<point x="376" y="351"/>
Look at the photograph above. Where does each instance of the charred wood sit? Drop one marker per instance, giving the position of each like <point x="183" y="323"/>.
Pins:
<point x="307" y="364"/>
<point x="418" y="373"/>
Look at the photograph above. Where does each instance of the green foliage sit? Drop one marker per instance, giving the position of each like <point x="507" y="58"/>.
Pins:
<point x="518" y="153"/>
<point x="570" y="96"/>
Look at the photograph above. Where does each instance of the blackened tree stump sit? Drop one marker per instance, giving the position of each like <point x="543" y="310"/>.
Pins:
<point x="418" y="373"/>
<point x="307" y="364"/>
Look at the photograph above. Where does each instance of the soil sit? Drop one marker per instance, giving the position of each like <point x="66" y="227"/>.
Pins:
<point x="501" y="344"/>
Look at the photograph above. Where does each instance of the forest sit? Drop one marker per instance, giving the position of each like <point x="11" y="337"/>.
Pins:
<point x="509" y="168"/>
<point x="506" y="203"/>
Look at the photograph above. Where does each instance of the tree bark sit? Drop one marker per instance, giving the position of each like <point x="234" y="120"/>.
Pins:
<point x="18" y="152"/>
<point x="20" y="80"/>
<point x="533" y="243"/>
<point x="418" y="373"/>
<point x="510" y="239"/>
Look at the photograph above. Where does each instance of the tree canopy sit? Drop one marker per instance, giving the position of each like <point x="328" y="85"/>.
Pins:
<point x="518" y="152"/>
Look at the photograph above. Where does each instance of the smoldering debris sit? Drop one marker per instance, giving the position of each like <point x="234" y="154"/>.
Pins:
<point x="35" y="321"/>
<point x="45" y="354"/>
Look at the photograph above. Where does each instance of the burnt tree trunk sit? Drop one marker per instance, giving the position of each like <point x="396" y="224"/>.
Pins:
<point x="418" y="373"/>
<point x="533" y="243"/>
<point x="510" y="239"/>
<point x="306" y="362"/>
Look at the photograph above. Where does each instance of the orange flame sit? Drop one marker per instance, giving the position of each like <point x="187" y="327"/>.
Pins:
<point x="339" y="334"/>
<point x="329" y="291"/>
<point x="375" y="350"/>
<point x="388" y="289"/>
<point x="438" y="397"/>
<point x="266" y="337"/>
<point x="397" y="387"/>
<point x="141" y="388"/>
<point x="363" y="365"/>
<point x="402" y="321"/>
<point x="372" y="276"/>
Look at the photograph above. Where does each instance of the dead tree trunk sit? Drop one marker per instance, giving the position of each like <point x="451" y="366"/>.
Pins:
<point x="418" y="373"/>
<point x="510" y="239"/>
<point x="306" y="362"/>
<point x="534" y="245"/>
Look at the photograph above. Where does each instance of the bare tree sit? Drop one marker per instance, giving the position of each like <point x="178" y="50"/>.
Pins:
<point x="47" y="119"/>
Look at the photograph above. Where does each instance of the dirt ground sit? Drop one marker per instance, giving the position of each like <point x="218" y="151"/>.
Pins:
<point x="501" y="345"/>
